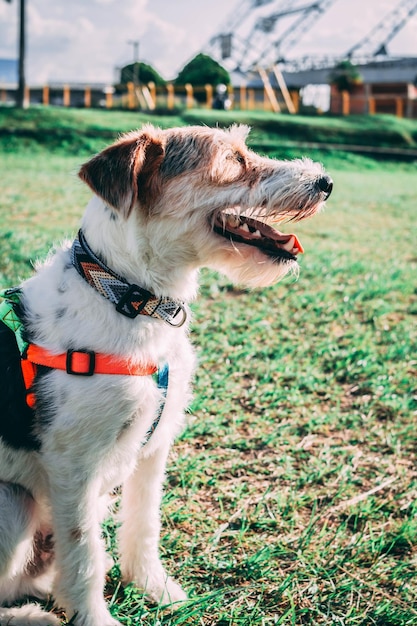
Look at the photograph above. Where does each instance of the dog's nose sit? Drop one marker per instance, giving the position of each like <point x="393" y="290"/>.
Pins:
<point x="325" y="184"/>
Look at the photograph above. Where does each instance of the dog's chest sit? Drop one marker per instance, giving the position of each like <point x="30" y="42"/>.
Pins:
<point x="107" y="413"/>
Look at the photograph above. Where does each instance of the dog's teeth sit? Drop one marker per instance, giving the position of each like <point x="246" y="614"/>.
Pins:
<point x="233" y="221"/>
<point x="289" y="245"/>
<point x="245" y="227"/>
<point x="257" y="234"/>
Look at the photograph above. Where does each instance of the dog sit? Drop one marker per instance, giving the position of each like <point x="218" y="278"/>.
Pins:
<point x="101" y="321"/>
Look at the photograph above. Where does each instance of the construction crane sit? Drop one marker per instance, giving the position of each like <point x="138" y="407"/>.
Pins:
<point x="226" y="38"/>
<point x="290" y="37"/>
<point x="258" y="43"/>
<point x="256" y="34"/>
<point x="375" y="43"/>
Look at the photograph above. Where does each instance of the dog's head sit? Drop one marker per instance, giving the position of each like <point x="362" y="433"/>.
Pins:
<point x="203" y="191"/>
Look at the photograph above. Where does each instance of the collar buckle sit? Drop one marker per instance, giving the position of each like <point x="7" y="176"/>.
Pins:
<point x="133" y="301"/>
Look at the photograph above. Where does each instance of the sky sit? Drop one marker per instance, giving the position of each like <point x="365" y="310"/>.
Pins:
<point x="86" y="40"/>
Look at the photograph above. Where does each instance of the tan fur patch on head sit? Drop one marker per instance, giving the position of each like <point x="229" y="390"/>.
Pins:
<point x="125" y="173"/>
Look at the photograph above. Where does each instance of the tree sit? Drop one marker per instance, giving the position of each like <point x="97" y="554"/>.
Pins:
<point x="203" y="70"/>
<point x="345" y="76"/>
<point x="138" y="71"/>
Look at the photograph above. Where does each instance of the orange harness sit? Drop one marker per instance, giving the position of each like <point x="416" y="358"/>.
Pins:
<point x="75" y="362"/>
<point x="78" y="363"/>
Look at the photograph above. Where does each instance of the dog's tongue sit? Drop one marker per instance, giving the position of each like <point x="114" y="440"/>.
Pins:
<point x="257" y="233"/>
<point x="289" y="242"/>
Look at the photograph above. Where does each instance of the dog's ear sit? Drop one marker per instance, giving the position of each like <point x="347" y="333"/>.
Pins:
<point x="125" y="172"/>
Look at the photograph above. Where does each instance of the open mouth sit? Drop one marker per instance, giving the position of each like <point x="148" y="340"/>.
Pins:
<point x="272" y="242"/>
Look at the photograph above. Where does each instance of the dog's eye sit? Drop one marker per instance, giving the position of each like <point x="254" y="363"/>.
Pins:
<point x="236" y="156"/>
<point x="229" y="168"/>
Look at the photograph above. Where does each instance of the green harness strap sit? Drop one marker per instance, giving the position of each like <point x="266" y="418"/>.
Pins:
<point x="10" y="318"/>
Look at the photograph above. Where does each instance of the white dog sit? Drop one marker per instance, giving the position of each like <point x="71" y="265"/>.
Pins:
<point x="96" y="320"/>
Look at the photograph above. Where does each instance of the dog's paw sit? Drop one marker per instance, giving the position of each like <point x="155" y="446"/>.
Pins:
<point x="157" y="585"/>
<point x="28" y="615"/>
<point x="94" y="620"/>
<point x="169" y="592"/>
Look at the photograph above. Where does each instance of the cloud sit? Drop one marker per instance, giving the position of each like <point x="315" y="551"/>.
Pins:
<point x="84" y="41"/>
<point x="8" y="30"/>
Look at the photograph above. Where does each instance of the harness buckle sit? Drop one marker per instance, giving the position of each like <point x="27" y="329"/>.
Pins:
<point x="133" y="301"/>
<point x="79" y="369"/>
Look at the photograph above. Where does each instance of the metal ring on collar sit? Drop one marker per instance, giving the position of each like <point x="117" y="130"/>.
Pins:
<point x="183" y="318"/>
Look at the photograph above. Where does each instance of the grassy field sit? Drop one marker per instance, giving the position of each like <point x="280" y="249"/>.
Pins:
<point x="291" y="497"/>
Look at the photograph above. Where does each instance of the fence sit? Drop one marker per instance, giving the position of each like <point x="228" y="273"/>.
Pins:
<point x="402" y="102"/>
<point x="398" y="99"/>
<point x="148" y="97"/>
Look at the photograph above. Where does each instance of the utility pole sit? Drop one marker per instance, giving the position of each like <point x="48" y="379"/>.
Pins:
<point x="135" y="44"/>
<point x="20" y="97"/>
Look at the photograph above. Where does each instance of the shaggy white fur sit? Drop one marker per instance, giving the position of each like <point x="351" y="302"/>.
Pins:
<point x="158" y="197"/>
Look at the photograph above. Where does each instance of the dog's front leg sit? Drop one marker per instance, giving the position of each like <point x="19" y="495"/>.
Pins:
<point x="80" y="553"/>
<point x="139" y="534"/>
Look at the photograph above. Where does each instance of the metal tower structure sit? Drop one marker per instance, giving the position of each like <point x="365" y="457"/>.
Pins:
<point x="260" y="35"/>
<point x="257" y="52"/>
<point x="228" y="38"/>
<point x="375" y="43"/>
<point x="289" y="38"/>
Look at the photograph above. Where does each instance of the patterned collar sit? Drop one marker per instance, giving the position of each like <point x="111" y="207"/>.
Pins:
<point x="130" y="300"/>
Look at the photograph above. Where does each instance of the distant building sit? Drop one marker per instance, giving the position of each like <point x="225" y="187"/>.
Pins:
<point x="8" y="72"/>
<point x="388" y="86"/>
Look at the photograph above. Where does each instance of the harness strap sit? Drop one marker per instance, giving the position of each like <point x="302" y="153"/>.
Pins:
<point x="9" y="315"/>
<point x="86" y="362"/>
<point x="75" y="362"/>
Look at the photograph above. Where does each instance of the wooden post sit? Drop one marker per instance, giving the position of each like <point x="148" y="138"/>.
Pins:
<point x="267" y="104"/>
<point x="152" y="92"/>
<point x="26" y="97"/>
<point x="242" y="97"/>
<point x="109" y="98"/>
<point x="3" y="95"/>
<point x="45" y="95"/>
<point x="22" y="94"/>
<point x="345" y="103"/>
<point x="231" y="94"/>
<point x="269" y="93"/>
<point x="284" y="89"/>
<point x="399" y="107"/>
<point x="411" y="96"/>
<point x="66" y="96"/>
<point x="371" y="105"/>
<point x="251" y="99"/>
<point x="295" y="97"/>
<point x="87" y="97"/>
<point x="209" y="96"/>
<point x="170" y="96"/>
<point x="130" y="95"/>
<point x="189" y="101"/>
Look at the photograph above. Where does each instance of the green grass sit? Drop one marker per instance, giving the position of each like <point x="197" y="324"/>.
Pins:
<point x="291" y="497"/>
<point x="76" y="131"/>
